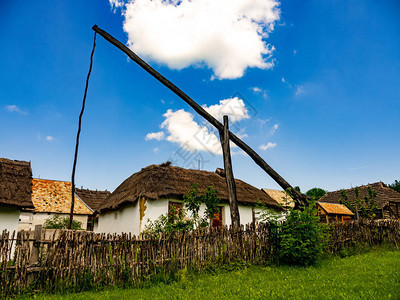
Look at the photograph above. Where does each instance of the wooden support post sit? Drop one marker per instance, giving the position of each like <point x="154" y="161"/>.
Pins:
<point x="34" y="259"/>
<point x="230" y="180"/>
<point x="297" y="196"/>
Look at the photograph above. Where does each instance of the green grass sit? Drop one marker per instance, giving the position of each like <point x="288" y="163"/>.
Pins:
<point x="373" y="275"/>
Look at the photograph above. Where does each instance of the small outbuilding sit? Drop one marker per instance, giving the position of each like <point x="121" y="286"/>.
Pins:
<point x="156" y="189"/>
<point x="15" y="192"/>
<point x="387" y="199"/>
<point x="334" y="212"/>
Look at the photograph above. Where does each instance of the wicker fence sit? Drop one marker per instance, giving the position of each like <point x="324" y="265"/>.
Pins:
<point x="53" y="260"/>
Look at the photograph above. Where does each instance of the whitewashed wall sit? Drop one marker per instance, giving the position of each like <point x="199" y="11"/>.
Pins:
<point x="28" y="220"/>
<point x="128" y="219"/>
<point x="9" y="217"/>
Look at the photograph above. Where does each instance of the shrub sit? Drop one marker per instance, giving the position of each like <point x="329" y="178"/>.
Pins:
<point x="301" y="237"/>
<point x="58" y="222"/>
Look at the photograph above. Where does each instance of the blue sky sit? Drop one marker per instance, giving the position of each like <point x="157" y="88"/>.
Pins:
<point x="326" y="114"/>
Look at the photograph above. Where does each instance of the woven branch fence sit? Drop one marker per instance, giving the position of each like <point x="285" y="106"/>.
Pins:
<point x="54" y="260"/>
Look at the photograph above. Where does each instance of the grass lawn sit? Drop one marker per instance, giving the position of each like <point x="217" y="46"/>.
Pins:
<point x="374" y="275"/>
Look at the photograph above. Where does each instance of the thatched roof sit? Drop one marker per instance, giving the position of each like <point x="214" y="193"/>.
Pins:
<point x="15" y="183"/>
<point x="335" y="209"/>
<point x="166" y="181"/>
<point x="53" y="196"/>
<point x="92" y="198"/>
<point x="384" y="194"/>
<point x="281" y="197"/>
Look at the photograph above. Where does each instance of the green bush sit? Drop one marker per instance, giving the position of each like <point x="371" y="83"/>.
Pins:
<point x="58" y="222"/>
<point x="302" y="238"/>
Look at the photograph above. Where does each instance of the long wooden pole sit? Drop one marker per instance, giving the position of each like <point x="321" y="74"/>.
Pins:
<point x="299" y="197"/>
<point x="71" y="214"/>
<point x="230" y="180"/>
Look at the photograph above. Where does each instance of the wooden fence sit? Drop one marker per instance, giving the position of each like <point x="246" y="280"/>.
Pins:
<point x="58" y="260"/>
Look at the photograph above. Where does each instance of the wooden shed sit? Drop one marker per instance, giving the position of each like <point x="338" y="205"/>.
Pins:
<point x="333" y="212"/>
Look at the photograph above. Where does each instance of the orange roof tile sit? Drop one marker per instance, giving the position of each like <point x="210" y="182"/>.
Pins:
<point x="337" y="209"/>
<point x="55" y="196"/>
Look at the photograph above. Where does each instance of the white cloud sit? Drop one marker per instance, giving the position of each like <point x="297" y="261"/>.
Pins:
<point x="234" y="108"/>
<point x="299" y="90"/>
<point x="274" y="128"/>
<point x="155" y="136"/>
<point x="283" y="79"/>
<point x="268" y="146"/>
<point x="226" y="36"/>
<point x="257" y="90"/>
<point x="15" y="108"/>
<point x="115" y="4"/>
<point x="188" y="134"/>
<point x="181" y="128"/>
<point x="49" y="138"/>
<point x="156" y="150"/>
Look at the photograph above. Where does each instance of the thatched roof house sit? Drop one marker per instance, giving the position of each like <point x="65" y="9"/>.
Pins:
<point x="15" y="183"/>
<point x="167" y="181"/>
<point x="153" y="191"/>
<point x="15" y="192"/>
<point x="387" y="199"/>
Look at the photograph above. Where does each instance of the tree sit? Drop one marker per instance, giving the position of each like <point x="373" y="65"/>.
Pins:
<point x="315" y="193"/>
<point x="395" y="186"/>
<point x="58" y="222"/>
<point x="365" y="207"/>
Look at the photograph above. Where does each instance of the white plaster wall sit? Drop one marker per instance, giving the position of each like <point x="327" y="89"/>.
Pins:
<point x="28" y="220"/>
<point x="245" y="213"/>
<point x="154" y="209"/>
<point x="9" y="218"/>
<point x="124" y="220"/>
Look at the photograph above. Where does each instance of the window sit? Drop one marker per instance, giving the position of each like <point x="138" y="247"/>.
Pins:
<point x="216" y="220"/>
<point x="175" y="210"/>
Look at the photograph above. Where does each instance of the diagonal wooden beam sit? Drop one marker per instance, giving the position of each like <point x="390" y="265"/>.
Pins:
<point x="299" y="197"/>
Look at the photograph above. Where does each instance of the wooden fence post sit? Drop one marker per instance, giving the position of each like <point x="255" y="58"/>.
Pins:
<point x="34" y="259"/>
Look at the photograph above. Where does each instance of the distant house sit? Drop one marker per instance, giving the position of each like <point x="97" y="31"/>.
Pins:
<point x="156" y="189"/>
<point x="334" y="212"/>
<point x="53" y="197"/>
<point x="15" y="192"/>
<point x="93" y="199"/>
<point x="281" y="197"/>
<point x="387" y="200"/>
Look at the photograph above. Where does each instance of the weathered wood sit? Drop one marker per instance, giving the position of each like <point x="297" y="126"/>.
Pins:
<point x="230" y="180"/>
<point x="36" y="245"/>
<point x="71" y="214"/>
<point x="299" y="197"/>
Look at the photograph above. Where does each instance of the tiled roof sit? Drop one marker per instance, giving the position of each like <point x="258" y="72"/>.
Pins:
<point x="55" y="196"/>
<point x="280" y="196"/>
<point x="334" y="208"/>
<point x="384" y="194"/>
<point x="92" y="198"/>
<point x="15" y="183"/>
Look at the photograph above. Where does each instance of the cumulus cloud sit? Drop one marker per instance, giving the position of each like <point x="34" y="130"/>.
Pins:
<point x="155" y="136"/>
<point x="224" y="35"/>
<point x="234" y="108"/>
<point x="181" y="128"/>
<point x="15" y="108"/>
<point x="189" y="134"/>
<point x="268" y="146"/>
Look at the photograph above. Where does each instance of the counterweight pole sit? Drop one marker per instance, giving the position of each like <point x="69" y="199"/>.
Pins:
<point x="299" y="197"/>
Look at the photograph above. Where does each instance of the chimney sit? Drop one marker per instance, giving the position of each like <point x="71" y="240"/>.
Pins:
<point x="220" y="172"/>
